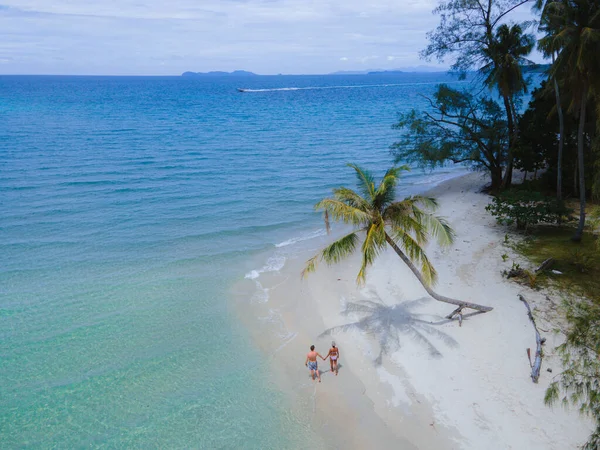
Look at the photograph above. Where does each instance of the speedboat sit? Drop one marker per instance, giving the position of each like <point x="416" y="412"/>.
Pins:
<point x="241" y="90"/>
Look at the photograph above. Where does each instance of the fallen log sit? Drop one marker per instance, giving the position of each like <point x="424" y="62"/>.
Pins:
<point x="536" y="367"/>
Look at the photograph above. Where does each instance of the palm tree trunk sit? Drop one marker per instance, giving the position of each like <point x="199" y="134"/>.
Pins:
<point x="561" y="140"/>
<point x="579" y="233"/>
<point x="507" y="181"/>
<point x="430" y="291"/>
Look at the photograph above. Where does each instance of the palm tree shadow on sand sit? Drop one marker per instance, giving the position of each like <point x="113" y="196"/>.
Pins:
<point x="389" y="323"/>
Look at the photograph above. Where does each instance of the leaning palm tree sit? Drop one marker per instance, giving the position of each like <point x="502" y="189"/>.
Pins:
<point x="576" y="34"/>
<point x="405" y="225"/>
<point x="506" y="55"/>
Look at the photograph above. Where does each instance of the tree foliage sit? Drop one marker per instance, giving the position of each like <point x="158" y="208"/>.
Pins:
<point x="526" y="208"/>
<point x="579" y="383"/>
<point x="466" y="30"/>
<point x="458" y="128"/>
<point x="375" y="212"/>
<point x="505" y="57"/>
<point x="574" y="32"/>
<point x="539" y="134"/>
<point x="474" y="32"/>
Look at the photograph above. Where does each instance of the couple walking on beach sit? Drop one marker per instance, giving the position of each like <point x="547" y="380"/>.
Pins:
<point x="311" y="360"/>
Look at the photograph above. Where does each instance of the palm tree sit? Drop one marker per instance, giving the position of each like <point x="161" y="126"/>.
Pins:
<point x="505" y="55"/>
<point x="549" y="26"/>
<point x="405" y="225"/>
<point x="577" y="37"/>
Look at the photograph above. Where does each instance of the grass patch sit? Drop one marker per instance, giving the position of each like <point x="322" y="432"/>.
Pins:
<point x="579" y="262"/>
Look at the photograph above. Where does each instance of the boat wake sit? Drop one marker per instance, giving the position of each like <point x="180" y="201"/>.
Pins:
<point x="359" y="86"/>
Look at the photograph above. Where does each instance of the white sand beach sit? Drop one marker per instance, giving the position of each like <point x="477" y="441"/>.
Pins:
<point x="433" y="384"/>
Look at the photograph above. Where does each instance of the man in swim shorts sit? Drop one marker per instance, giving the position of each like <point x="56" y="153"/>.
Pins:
<point x="334" y="356"/>
<point x="311" y="363"/>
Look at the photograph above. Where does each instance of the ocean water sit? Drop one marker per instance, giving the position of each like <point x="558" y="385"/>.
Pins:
<point x="128" y="208"/>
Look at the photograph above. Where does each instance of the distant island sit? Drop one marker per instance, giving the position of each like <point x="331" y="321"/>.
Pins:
<point x="385" y="72"/>
<point x="534" y="68"/>
<point x="415" y="69"/>
<point x="245" y="73"/>
<point x="235" y="73"/>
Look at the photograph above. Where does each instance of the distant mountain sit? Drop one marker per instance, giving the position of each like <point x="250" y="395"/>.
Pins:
<point x="235" y="73"/>
<point x="385" y="72"/>
<point x="419" y="69"/>
<point x="349" y="72"/>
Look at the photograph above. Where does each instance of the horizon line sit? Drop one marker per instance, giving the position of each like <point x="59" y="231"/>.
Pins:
<point x="348" y="73"/>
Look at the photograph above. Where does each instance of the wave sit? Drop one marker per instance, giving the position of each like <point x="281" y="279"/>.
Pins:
<point x="305" y="237"/>
<point x="274" y="264"/>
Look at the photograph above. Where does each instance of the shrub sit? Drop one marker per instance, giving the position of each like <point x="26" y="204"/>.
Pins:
<point x="526" y="208"/>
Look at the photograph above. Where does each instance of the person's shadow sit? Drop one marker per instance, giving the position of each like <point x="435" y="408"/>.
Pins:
<point x="388" y="323"/>
<point x="340" y="365"/>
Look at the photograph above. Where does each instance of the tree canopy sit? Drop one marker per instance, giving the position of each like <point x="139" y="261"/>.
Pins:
<point x="458" y="128"/>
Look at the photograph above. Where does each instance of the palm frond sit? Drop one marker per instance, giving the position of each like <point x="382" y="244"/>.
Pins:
<point x="416" y="254"/>
<point x="311" y="266"/>
<point x="338" y="210"/>
<point x="440" y="229"/>
<point x="429" y="203"/>
<point x="366" y="182"/>
<point x="373" y="244"/>
<point x="340" y="249"/>
<point x="386" y="191"/>
<point x="333" y="253"/>
<point x="351" y="198"/>
<point x="412" y="225"/>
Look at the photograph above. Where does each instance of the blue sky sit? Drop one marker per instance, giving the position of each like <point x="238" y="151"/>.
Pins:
<point x="167" y="37"/>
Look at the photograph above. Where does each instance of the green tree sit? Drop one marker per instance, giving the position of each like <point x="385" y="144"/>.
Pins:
<point x="472" y="31"/>
<point x="505" y="55"/>
<point x="458" y="128"/>
<point x="405" y="225"/>
<point x="540" y="137"/>
<point x="579" y="383"/>
<point x="549" y="26"/>
<point x="576" y="35"/>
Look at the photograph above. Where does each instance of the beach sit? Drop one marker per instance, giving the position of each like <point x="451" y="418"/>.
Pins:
<point x="408" y="377"/>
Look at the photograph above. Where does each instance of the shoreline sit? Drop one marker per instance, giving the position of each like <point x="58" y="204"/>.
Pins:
<point x="458" y="388"/>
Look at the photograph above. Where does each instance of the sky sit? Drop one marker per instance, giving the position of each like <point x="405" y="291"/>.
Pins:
<point x="168" y="37"/>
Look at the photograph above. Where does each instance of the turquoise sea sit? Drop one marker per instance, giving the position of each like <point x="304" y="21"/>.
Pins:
<point x="129" y="206"/>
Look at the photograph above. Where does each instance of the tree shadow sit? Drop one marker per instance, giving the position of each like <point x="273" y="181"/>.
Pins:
<point x="388" y="323"/>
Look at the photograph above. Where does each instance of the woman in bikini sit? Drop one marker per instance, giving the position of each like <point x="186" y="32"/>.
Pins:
<point x="334" y="356"/>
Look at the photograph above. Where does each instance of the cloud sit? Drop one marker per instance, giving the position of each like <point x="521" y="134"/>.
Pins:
<point x="158" y="37"/>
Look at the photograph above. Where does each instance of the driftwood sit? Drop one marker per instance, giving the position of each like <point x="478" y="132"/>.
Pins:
<point x="536" y="366"/>
<point x="545" y="265"/>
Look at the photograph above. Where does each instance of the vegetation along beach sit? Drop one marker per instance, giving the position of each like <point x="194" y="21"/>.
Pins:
<point x="346" y="251"/>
